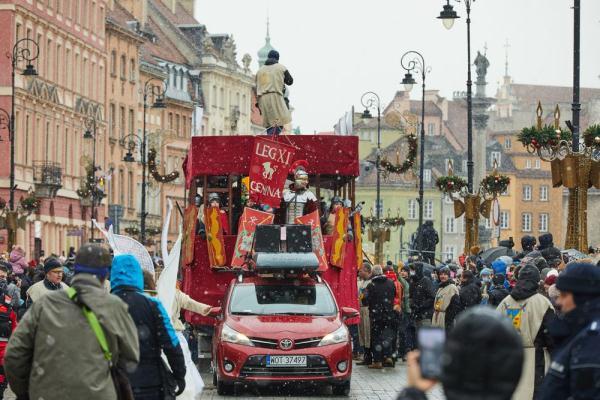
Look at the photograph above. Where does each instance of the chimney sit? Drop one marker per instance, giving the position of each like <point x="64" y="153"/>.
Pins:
<point x="138" y="8"/>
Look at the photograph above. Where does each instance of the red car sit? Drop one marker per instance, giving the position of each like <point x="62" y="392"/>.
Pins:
<point x="272" y="330"/>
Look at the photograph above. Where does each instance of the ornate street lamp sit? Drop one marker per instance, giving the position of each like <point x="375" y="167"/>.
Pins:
<point x="157" y="92"/>
<point x="23" y="50"/>
<point x="91" y="133"/>
<point x="414" y="61"/>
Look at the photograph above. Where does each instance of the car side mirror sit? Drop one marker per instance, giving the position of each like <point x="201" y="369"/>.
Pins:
<point x="348" y="312"/>
<point x="214" y="312"/>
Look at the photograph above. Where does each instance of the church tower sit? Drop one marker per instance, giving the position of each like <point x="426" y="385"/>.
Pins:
<point x="263" y="53"/>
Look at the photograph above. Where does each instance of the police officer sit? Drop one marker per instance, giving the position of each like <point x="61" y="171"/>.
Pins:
<point x="575" y="369"/>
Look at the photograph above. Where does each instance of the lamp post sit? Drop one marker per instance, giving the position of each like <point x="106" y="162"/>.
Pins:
<point x="90" y="133"/>
<point x="448" y="15"/>
<point x="370" y="100"/>
<point x="414" y="61"/>
<point x="20" y="52"/>
<point x="157" y="93"/>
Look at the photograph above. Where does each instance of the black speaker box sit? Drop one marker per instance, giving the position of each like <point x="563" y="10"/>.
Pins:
<point x="298" y="239"/>
<point x="267" y="239"/>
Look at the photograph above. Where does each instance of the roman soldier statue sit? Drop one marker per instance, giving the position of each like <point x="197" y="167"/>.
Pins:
<point x="297" y="198"/>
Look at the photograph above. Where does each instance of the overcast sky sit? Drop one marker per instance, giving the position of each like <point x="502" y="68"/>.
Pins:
<point x="338" y="49"/>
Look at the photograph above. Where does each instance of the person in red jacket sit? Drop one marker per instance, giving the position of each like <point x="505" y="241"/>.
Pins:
<point x="391" y="275"/>
<point x="8" y="322"/>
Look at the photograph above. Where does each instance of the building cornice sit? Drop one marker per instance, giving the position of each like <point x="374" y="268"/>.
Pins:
<point x="132" y="36"/>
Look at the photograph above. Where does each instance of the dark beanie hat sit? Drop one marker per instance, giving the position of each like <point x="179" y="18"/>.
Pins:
<point x="274" y="54"/>
<point x="52" y="263"/>
<point x="5" y="266"/>
<point x="580" y="278"/>
<point x="482" y="337"/>
<point x="93" y="259"/>
<point x="498" y="279"/>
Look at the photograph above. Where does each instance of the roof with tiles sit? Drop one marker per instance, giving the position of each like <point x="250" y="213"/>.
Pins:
<point x="180" y="17"/>
<point x="161" y="48"/>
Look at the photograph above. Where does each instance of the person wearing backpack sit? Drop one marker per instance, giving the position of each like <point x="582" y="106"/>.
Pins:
<point x="55" y="353"/>
<point x="152" y="380"/>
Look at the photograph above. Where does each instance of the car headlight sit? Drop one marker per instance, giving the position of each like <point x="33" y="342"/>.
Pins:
<point x="232" y="336"/>
<point x="340" y="335"/>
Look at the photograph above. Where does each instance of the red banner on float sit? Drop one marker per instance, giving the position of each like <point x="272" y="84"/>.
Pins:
<point x="214" y="237"/>
<point x="269" y="169"/>
<point x="340" y="232"/>
<point x="312" y="219"/>
<point x="245" y="238"/>
<point x="358" y="239"/>
<point x="190" y="218"/>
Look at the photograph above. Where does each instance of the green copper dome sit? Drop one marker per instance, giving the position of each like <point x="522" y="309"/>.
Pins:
<point x="263" y="53"/>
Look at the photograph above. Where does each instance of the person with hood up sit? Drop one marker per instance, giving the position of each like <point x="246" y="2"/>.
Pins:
<point x="553" y="258"/>
<point x="271" y="80"/>
<point x="55" y="355"/>
<point x="483" y="343"/>
<point x="486" y="282"/>
<point x="379" y="295"/>
<point x="155" y="331"/>
<point x="527" y="246"/>
<point x="497" y="291"/>
<point x="446" y="302"/>
<point x="574" y="370"/>
<point x="422" y="296"/>
<point x="53" y="276"/>
<point x="531" y="313"/>
<point x="17" y="260"/>
<point x="470" y="291"/>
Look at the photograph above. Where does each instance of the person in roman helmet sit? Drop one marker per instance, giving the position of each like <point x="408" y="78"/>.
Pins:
<point x="214" y="201"/>
<point x="297" y="198"/>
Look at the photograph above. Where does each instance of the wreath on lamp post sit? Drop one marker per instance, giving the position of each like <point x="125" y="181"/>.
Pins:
<point x="591" y="136"/>
<point x="154" y="170"/>
<point x="450" y="184"/>
<point x="132" y="230"/>
<point x="408" y="163"/>
<point x="30" y="203"/>
<point x="546" y="136"/>
<point x="495" y="184"/>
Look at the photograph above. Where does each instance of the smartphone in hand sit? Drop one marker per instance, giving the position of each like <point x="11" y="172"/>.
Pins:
<point x="431" y="342"/>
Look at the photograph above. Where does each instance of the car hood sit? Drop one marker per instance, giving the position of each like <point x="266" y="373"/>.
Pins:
<point x="292" y="326"/>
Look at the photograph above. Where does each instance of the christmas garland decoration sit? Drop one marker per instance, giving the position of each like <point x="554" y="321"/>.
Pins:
<point x="89" y="188"/>
<point x="546" y="136"/>
<point x="29" y="203"/>
<point x="154" y="171"/>
<point x="592" y="136"/>
<point x="391" y="221"/>
<point x="408" y="163"/>
<point x="132" y="230"/>
<point x="152" y="231"/>
<point x="450" y="184"/>
<point x="495" y="184"/>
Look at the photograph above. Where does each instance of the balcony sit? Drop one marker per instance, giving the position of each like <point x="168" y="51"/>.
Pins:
<point x="47" y="178"/>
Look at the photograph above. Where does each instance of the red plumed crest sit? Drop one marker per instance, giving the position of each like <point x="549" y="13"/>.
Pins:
<point x="298" y="164"/>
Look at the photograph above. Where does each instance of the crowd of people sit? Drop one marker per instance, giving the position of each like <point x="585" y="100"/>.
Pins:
<point x="93" y="327"/>
<point x="551" y="300"/>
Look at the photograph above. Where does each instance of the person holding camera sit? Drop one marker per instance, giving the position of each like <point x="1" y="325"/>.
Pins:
<point x="481" y="338"/>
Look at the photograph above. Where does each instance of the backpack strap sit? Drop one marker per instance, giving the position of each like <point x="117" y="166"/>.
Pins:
<point x="94" y="324"/>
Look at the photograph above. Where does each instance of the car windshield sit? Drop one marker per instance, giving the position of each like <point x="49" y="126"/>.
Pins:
<point x="251" y="299"/>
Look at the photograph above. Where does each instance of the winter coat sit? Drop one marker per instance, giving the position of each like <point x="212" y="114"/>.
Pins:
<point x="574" y="370"/>
<point x="405" y="295"/>
<point x="531" y="313"/>
<point x="185" y="302"/>
<point x="379" y="296"/>
<point x="41" y="288"/>
<point x="13" y="291"/>
<point x="445" y="303"/>
<point x="53" y="354"/>
<point x="470" y="294"/>
<point x="391" y="275"/>
<point x="497" y="293"/>
<point x="156" y="333"/>
<point x="17" y="261"/>
<point x="421" y="295"/>
<point x="364" y="327"/>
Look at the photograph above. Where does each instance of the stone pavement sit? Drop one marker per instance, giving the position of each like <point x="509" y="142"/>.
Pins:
<point x="366" y="385"/>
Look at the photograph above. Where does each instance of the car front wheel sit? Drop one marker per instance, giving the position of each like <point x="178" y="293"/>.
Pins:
<point x="223" y="388"/>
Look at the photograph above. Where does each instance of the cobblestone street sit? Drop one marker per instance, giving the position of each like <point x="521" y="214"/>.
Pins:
<point x="366" y="385"/>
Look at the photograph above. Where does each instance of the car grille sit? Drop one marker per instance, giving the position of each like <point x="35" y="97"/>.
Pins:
<point x="274" y="344"/>
<point x="256" y="366"/>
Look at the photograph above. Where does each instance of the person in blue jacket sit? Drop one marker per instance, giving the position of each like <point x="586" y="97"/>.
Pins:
<point x="151" y="380"/>
<point x="574" y="371"/>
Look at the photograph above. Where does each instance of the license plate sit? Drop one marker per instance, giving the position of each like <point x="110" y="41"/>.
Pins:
<point x="286" y="361"/>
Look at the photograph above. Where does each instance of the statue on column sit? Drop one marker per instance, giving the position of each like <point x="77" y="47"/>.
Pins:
<point x="481" y="64"/>
<point x="271" y="81"/>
